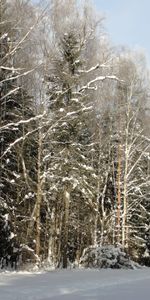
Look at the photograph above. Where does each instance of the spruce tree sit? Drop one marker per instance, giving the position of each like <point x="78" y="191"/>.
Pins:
<point x="70" y="176"/>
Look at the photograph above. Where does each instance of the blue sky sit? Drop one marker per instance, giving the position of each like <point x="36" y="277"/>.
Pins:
<point x="127" y="22"/>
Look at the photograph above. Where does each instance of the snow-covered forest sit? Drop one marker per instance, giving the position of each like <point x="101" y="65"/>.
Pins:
<point x="74" y="137"/>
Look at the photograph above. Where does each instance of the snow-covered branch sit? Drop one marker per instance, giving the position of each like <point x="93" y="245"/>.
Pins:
<point x="21" y="122"/>
<point x="99" y="78"/>
<point x="97" y="66"/>
<point x="19" y="75"/>
<point x="10" y="93"/>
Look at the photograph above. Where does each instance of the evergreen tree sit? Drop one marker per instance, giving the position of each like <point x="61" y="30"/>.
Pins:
<point x="69" y="169"/>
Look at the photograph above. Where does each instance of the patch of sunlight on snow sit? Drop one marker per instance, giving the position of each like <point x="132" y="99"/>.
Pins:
<point x="66" y="291"/>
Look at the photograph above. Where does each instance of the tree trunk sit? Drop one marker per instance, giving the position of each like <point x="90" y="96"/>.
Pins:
<point x="65" y="229"/>
<point x="39" y="196"/>
<point x="124" y="216"/>
<point x="119" y="197"/>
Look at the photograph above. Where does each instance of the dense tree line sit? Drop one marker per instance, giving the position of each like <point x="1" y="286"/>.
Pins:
<point x="74" y="136"/>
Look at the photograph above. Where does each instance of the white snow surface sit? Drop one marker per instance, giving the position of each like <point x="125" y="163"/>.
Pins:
<point x="76" y="284"/>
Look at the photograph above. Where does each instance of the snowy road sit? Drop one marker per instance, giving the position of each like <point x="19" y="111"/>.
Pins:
<point x="77" y="285"/>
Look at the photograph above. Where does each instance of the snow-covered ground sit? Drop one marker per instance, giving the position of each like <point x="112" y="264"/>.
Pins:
<point x="77" y="285"/>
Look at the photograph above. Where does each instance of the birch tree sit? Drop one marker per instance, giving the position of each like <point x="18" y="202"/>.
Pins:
<point x="17" y="173"/>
